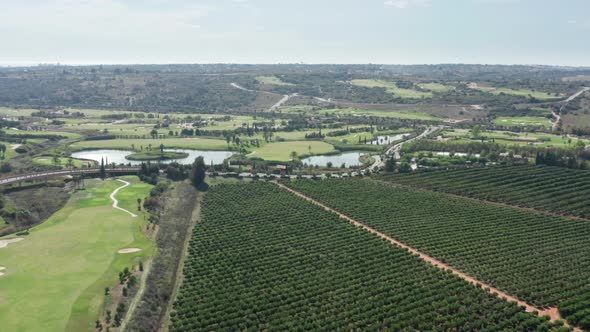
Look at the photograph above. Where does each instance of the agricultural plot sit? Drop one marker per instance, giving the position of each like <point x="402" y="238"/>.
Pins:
<point x="522" y="93"/>
<point x="555" y="189"/>
<point x="410" y="115"/>
<point x="540" y="259"/>
<point x="392" y="88"/>
<point x="55" y="277"/>
<point x="126" y="144"/>
<point x="32" y="133"/>
<point x="437" y="87"/>
<point x="262" y="259"/>
<point x="281" y="151"/>
<point x="510" y="138"/>
<point x="61" y="161"/>
<point x="272" y="80"/>
<point x="523" y="121"/>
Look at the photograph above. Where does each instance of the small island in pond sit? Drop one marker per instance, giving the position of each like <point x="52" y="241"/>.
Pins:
<point x="156" y="155"/>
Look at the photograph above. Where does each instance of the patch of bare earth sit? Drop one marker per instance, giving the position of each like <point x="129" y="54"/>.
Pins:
<point x="5" y="243"/>
<point x="128" y="250"/>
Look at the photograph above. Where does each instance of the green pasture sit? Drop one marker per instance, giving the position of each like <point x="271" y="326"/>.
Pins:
<point x="392" y="88"/>
<point x="522" y="93"/>
<point x="49" y="161"/>
<point x="510" y="138"/>
<point x="272" y="80"/>
<point x="14" y="132"/>
<point x="126" y="144"/>
<point x="523" y="121"/>
<point x="436" y="87"/>
<point x="281" y="151"/>
<point x="410" y="115"/>
<point x="55" y="277"/>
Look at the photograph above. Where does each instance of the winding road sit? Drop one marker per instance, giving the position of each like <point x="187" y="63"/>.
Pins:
<point x="116" y="202"/>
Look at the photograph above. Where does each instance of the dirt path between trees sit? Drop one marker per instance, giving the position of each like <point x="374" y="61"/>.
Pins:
<point x="553" y="313"/>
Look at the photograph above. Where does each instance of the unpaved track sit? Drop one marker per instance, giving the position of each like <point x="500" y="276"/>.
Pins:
<point x="116" y="202"/>
<point x="553" y="313"/>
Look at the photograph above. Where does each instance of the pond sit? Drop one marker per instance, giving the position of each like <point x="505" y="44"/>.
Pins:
<point x="348" y="158"/>
<point x="118" y="156"/>
<point x="387" y="139"/>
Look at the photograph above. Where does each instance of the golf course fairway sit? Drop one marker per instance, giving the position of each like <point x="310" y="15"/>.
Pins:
<point x="55" y="277"/>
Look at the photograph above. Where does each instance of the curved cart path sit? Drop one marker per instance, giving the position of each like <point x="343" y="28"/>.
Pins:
<point x="116" y="202"/>
<point x="553" y="313"/>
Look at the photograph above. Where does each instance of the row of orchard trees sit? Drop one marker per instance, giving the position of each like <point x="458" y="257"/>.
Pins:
<point x="261" y="258"/>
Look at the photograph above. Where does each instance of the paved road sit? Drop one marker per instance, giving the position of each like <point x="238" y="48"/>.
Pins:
<point x="280" y="102"/>
<point x="569" y="99"/>
<point x="577" y="94"/>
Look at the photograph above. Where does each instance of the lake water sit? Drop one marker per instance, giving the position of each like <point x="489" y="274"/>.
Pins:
<point x="348" y="158"/>
<point x="387" y="139"/>
<point x="118" y="156"/>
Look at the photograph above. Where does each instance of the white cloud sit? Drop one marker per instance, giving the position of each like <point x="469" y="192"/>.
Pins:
<point x="403" y="4"/>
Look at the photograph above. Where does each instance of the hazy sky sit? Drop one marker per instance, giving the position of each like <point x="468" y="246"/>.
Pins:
<point x="281" y="31"/>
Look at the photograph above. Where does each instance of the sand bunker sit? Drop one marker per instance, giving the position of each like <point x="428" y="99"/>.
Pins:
<point x="4" y="243"/>
<point x="2" y="268"/>
<point x="128" y="250"/>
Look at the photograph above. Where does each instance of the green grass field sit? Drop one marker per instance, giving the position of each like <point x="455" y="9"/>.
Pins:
<point x="10" y="153"/>
<point x="180" y="143"/>
<point x="522" y="92"/>
<point x="436" y="87"/>
<point x="509" y="138"/>
<point x="41" y="133"/>
<point x="55" y="277"/>
<point x="272" y="80"/>
<point x="385" y="114"/>
<point x="392" y="88"/>
<point x="48" y="161"/>
<point x="523" y="121"/>
<point x="281" y="151"/>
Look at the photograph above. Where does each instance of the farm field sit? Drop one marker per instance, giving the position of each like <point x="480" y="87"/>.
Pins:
<point x="522" y="93"/>
<point x="49" y="161"/>
<point x="436" y="87"/>
<point x="272" y="80"/>
<point x="410" y="115"/>
<point x="537" y="258"/>
<point x="13" y="132"/>
<point x="261" y="258"/>
<point x="281" y="151"/>
<point x="60" y="270"/>
<point x="554" y="189"/>
<point x="392" y="88"/>
<point x="510" y="138"/>
<point x="186" y="143"/>
<point x="523" y="121"/>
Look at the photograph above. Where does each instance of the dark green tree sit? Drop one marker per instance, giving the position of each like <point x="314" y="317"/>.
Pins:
<point x="390" y="165"/>
<point x="103" y="172"/>
<point x="198" y="172"/>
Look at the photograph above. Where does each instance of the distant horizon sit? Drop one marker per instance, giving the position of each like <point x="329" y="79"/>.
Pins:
<point x="90" y="64"/>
